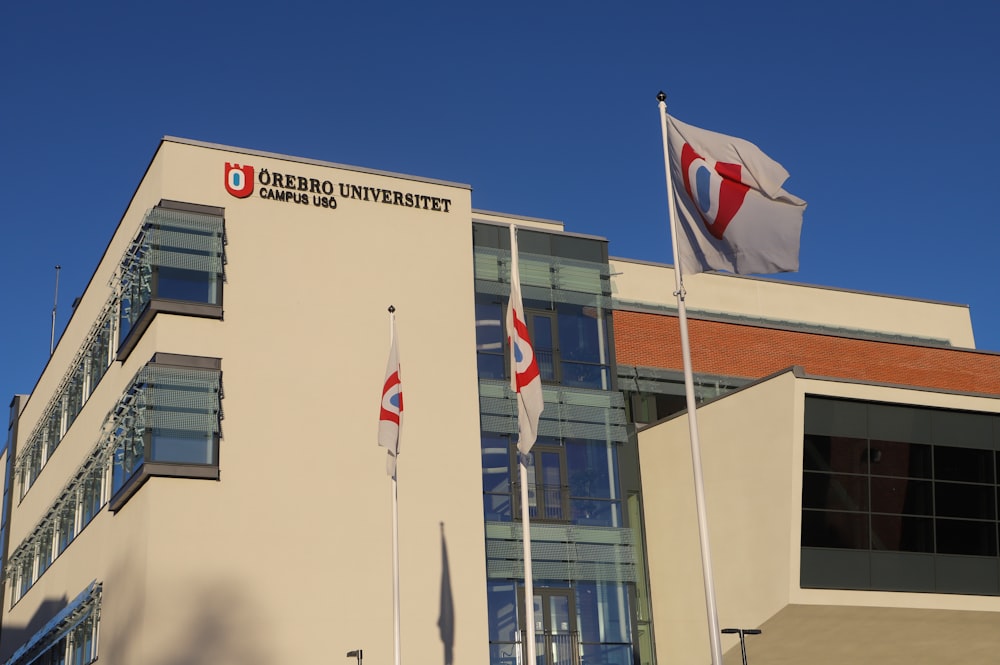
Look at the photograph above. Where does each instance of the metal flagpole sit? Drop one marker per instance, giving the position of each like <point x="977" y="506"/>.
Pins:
<point x="395" y="567"/>
<point x="699" y="485"/>
<point x="395" y="517"/>
<point x="529" y="585"/>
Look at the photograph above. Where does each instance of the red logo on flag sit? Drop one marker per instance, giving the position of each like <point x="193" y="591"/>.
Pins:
<point x="526" y="367"/>
<point x="392" y="399"/>
<point x="717" y="193"/>
<point x="239" y="180"/>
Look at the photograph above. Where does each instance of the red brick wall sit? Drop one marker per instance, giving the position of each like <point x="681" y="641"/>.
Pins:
<point x="653" y="340"/>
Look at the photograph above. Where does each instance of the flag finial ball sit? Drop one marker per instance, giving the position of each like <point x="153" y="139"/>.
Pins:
<point x="392" y="309"/>
<point x="661" y="96"/>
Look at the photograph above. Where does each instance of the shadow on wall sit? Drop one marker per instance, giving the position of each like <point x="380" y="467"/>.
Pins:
<point x="217" y="625"/>
<point x="12" y="637"/>
<point x="223" y="629"/>
<point x="446" y="612"/>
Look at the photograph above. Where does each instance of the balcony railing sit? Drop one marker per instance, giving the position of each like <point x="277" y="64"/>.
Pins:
<point x="550" y="649"/>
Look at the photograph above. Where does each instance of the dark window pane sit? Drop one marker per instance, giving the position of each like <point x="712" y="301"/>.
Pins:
<point x="896" y="533"/>
<point x="830" y="529"/>
<point x="957" y="428"/>
<point x="836" y="417"/>
<point x="834" y="492"/>
<point x="190" y="285"/>
<point x="896" y="458"/>
<point x="894" y="422"/>
<point x="491" y="366"/>
<point x="835" y="453"/>
<point x="543" y="342"/>
<point x="581" y="249"/>
<point x="577" y="375"/>
<point x="966" y="537"/>
<point x="496" y="507"/>
<point x="182" y="447"/>
<point x="579" y="336"/>
<point x="592" y="470"/>
<point x="534" y="242"/>
<point x="549" y="475"/>
<point x="963" y="500"/>
<point x="596" y="512"/>
<point x="487" y="235"/>
<point x="501" y="602"/>
<point x="968" y="464"/>
<point x="901" y="496"/>
<point x="489" y="327"/>
<point x="496" y="465"/>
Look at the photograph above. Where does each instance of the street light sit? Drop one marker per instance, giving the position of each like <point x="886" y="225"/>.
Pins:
<point x="742" y="632"/>
<point x="355" y="654"/>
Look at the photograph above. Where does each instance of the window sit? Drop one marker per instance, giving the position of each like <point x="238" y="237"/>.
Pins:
<point x="569" y="342"/>
<point x="899" y="497"/>
<point x="64" y="407"/>
<point x="175" y="264"/>
<point x="170" y="426"/>
<point x="68" y="637"/>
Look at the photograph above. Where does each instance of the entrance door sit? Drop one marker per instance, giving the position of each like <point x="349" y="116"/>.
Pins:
<point x="555" y="626"/>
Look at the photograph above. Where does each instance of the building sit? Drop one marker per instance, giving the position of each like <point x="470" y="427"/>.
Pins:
<point x="195" y="479"/>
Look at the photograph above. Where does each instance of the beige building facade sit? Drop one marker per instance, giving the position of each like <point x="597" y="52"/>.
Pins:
<point x="195" y="477"/>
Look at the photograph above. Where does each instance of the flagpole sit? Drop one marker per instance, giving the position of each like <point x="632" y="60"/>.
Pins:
<point x="529" y="586"/>
<point x="699" y="484"/>
<point x="522" y="458"/>
<point x="395" y="518"/>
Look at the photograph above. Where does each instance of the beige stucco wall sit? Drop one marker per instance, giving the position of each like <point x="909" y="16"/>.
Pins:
<point x="752" y="465"/>
<point x="640" y="282"/>
<point x="746" y="460"/>
<point x="288" y="557"/>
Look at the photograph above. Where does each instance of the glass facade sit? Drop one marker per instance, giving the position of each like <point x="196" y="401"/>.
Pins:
<point x="583" y="549"/>
<point x="85" y="372"/>
<point x="898" y="497"/>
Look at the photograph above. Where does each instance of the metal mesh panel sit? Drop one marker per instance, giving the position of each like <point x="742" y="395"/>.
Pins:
<point x="181" y="398"/>
<point x="186" y="240"/>
<point x="567" y="552"/>
<point x="544" y="277"/>
<point x="572" y="413"/>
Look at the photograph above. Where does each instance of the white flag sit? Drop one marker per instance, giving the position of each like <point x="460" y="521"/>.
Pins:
<point x="732" y="211"/>
<point x="524" y="377"/>
<point x="392" y="404"/>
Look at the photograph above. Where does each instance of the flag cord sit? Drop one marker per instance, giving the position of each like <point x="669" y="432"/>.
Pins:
<point x="714" y="635"/>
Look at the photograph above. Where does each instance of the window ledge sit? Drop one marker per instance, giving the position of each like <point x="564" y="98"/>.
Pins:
<point x="160" y="470"/>
<point x="154" y="307"/>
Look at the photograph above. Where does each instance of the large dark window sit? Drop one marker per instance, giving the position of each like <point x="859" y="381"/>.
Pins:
<point x="899" y="498"/>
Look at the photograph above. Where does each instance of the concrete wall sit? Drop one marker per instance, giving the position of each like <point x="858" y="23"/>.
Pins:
<point x="751" y="444"/>
<point x="288" y="557"/>
<point x="746" y="442"/>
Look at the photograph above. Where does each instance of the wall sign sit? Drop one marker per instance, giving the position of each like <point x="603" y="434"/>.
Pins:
<point x="243" y="181"/>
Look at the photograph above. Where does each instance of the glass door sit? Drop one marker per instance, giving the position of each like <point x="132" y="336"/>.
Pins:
<point x="555" y="626"/>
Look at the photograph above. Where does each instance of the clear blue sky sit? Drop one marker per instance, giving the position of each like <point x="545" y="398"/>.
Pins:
<point x="884" y="113"/>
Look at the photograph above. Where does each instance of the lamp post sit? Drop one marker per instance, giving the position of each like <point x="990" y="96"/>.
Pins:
<point x="741" y="632"/>
<point x="355" y="654"/>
